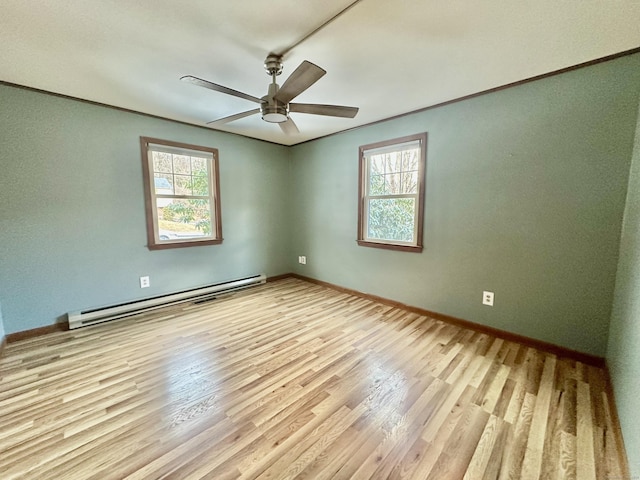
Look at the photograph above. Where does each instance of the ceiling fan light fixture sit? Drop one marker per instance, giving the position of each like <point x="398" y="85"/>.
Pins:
<point x="274" y="113"/>
<point x="274" y="118"/>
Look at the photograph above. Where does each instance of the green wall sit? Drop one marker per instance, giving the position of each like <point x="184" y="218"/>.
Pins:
<point x="623" y="354"/>
<point x="2" y="334"/>
<point x="525" y="195"/>
<point x="72" y="222"/>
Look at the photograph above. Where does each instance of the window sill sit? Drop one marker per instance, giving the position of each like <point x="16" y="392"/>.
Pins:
<point x="163" y="246"/>
<point x="391" y="246"/>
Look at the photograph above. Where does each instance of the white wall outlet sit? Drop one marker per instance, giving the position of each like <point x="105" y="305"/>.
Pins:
<point x="144" y="282"/>
<point x="302" y="259"/>
<point x="487" y="298"/>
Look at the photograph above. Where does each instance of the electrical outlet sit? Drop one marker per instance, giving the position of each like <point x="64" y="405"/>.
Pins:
<point x="302" y="259"/>
<point x="144" y="282"/>
<point x="487" y="298"/>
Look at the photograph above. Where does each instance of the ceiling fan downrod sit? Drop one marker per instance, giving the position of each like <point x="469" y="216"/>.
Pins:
<point x="271" y="109"/>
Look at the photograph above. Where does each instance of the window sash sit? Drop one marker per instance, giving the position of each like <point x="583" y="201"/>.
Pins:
<point x="397" y="149"/>
<point x="371" y="239"/>
<point x="155" y="196"/>
<point x="367" y="218"/>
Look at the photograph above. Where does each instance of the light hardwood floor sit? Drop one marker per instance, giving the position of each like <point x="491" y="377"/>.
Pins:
<point x="296" y="380"/>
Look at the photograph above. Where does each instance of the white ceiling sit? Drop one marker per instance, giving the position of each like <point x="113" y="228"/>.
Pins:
<point x="386" y="57"/>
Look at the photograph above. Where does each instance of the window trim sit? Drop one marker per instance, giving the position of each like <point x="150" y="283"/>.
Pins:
<point x="150" y="197"/>
<point x="362" y="189"/>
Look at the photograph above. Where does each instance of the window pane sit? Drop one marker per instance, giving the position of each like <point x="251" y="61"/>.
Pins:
<point x="376" y="185"/>
<point x="392" y="184"/>
<point x="377" y="165"/>
<point x="410" y="160"/>
<point x="163" y="184"/>
<point x="201" y="184"/>
<point x="394" y="162"/>
<point x="182" y="184"/>
<point x="162" y="162"/>
<point x="182" y="164"/>
<point x="180" y="219"/>
<point x="409" y="182"/>
<point x="198" y="165"/>
<point x="391" y="219"/>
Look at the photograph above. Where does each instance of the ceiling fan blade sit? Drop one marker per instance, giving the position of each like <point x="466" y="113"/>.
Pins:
<point x="302" y="78"/>
<point x="231" y="118"/>
<point x="289" y="127"/>
<point x="329" y="110"/>
<point x="218" y="88"/>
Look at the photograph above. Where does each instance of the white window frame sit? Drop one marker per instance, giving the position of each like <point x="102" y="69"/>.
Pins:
<point x="154" y="242"/>
<point x="390" y="146"/>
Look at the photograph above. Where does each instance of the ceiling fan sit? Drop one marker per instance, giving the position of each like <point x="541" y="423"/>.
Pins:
<point x="275" y="106"/>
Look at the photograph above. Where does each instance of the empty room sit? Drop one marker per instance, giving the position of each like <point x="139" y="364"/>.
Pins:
<point x="327" y="239"/>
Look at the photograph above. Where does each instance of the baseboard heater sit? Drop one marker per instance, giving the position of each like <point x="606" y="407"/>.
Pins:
<point x="122" y="310"/>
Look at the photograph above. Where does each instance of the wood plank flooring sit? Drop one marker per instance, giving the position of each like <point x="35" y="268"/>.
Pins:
<point x="295" y="380"/>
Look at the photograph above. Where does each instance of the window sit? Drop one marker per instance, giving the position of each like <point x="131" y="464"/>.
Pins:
<point x="391" y="191"/>
<point x="181" y="194"/>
